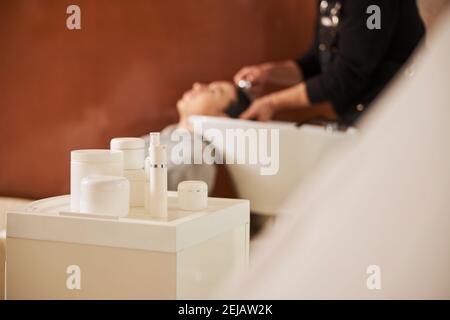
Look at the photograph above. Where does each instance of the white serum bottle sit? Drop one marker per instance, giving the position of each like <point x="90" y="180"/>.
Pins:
<point x="157" y="170"/>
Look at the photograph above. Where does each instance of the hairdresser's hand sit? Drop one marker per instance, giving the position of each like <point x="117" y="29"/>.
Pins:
<point x="258" y="75"/>
<point x="284" y="74"/>
<point x="262" y="109"/>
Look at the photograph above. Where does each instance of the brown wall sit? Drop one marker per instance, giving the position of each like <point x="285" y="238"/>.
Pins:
<point x="122" y="74"/>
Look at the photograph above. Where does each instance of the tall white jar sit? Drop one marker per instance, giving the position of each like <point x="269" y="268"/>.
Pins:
<point x="133" y="152"/>
<point x="137" y="186"/>
<point x="91" y="162"/>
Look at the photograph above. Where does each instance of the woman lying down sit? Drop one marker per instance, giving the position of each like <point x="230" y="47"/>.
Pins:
<point x="219" y="98"/>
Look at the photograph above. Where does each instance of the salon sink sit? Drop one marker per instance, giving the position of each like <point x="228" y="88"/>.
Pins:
<point x="300" y="149"/>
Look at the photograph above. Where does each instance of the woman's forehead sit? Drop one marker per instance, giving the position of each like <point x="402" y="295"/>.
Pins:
<point x="218" y="84"/>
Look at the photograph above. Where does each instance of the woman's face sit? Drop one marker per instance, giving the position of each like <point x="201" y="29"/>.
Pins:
<point x="207" y="99"/>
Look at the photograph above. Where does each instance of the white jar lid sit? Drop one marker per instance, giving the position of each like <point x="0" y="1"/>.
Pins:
<point x="104" y="184"/>
<point x="96" y="155"/>
<point x="192" y="186"/>
<point x="127" y="143"/>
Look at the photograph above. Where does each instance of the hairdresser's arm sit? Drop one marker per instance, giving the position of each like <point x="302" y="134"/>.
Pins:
<point x="296" y="97"/>
<point x="263" y="109"/>
<point x="309" y="63"/>
<point x="282" y="73"/>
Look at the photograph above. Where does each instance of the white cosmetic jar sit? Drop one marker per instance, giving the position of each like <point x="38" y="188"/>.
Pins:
<point x="133" y="151"/>
<point x="137" y="186"/>
<point x="89" y="162"/>
<point x="105" y="195"/>
<point x="192" y="195"/>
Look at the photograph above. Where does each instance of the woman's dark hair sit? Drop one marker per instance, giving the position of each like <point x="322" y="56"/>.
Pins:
<point x="235" y="108"/>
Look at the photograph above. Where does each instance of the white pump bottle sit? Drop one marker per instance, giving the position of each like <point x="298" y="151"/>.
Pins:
<point x="157" y="169"/>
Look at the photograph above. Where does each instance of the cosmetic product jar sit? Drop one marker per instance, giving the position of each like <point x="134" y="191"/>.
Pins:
<point x="133" y="151"/>
<point x="90" y="162"/>
<point x="192" y="195"/>
<point x="147" y="185"/>
<point x="137" y="186"/>
<point x="105" y="195"/>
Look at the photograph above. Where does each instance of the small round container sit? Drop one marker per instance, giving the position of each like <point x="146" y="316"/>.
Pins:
<point x="137" y="186"/>
<point x="192" y="195"/>
<point x="105" y="195"/>
<point x="90" y="162"/>
<point x="133" y="151"/>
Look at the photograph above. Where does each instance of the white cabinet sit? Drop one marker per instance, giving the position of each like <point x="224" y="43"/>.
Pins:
<point x="53" y="254"/>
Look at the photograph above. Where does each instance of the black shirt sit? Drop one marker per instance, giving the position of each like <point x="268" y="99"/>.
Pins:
<point x="349" y="64"/>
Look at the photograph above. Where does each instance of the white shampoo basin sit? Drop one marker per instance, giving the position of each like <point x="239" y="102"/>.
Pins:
<point x="300" y="149"/>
